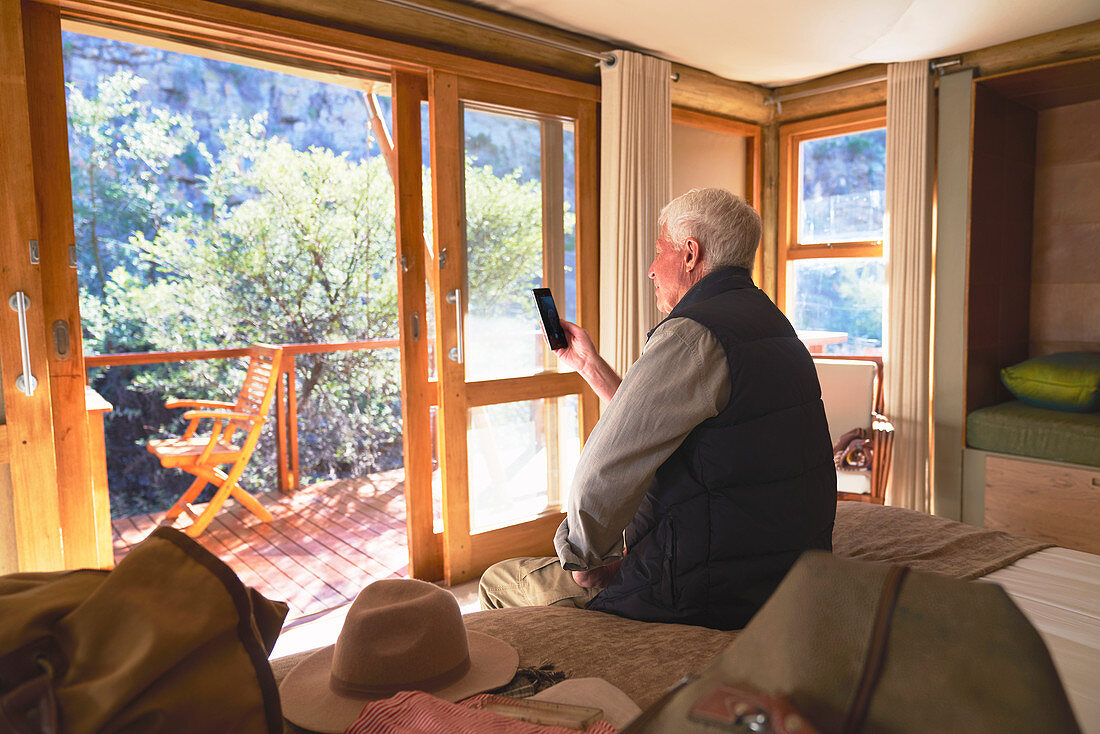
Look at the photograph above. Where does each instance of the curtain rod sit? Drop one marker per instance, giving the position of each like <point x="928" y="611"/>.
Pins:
<point x="933" y="66"/>
<point x="781" y="98"/>
<point x="608" y="58"/>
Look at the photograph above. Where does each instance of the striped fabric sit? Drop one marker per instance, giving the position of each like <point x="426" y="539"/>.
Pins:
<point x="416" y="712"/>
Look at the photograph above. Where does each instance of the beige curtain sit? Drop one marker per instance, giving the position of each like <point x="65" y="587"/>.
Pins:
<point x="909" y="147"/>
<point x="635" y="182"/>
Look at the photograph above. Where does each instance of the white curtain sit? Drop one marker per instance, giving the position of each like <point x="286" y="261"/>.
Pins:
<point x="909" y="164"/>
<point x="635" y="182"/>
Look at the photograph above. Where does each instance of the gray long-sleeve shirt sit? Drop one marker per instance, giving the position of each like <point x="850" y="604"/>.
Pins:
<point x="680" y="380"/>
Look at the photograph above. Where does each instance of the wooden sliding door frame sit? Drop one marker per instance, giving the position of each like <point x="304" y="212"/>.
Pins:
<point x="227" y="32"/>
<point x="467" y="554"/>
<point x="258" y="35"/>
<point x="29" y="431"/>
<point x="85" y="517"/>
<point x="418" y="396"/>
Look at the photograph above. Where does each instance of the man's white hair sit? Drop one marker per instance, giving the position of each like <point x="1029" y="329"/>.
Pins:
<point x="727" y="228"/>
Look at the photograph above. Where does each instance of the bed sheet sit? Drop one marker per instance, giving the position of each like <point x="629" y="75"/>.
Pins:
<point x="1059" y="591"/>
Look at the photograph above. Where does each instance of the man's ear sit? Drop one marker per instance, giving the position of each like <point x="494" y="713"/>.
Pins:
<point x="692" y="254"/>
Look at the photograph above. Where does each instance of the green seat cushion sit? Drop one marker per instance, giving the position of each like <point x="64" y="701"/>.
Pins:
<point x="1026" y="430"/>
<point x="1063" y="381"/>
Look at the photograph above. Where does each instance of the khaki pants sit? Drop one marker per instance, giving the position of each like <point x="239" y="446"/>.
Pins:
<point x="531" y="582"/>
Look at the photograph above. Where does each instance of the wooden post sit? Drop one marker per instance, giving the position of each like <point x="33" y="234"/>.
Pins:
<point x="295" y="478"/>
<point x="286" y="425"/>
<point x="448" y="223"/>
<point x="101" y="498"/>
<point x="425" y="547"/>
<point x="36" y="510"/>
<point x="80" y="527"/>
<point x="553" y="277"/>
<point x="586" y="137"/>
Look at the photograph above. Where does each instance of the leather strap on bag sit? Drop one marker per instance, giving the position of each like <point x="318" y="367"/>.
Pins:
<point x="28" y="702"/>
<point x="876" y="650"/>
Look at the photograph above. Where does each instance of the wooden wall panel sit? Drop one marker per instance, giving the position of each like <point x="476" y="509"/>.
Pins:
<point x="1063" y="44"/>
<point x="1001" y="189"/>
<point x="704" y="92"/>
<point x="1065" y="273"/>
<point x="769" y="213"/>
<point x="830" y="94"/>
<point x="1045" y="501"/>
<point x="745" y="157"/>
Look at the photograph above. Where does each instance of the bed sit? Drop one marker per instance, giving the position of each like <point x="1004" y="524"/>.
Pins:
<point x="1058" y="589"/>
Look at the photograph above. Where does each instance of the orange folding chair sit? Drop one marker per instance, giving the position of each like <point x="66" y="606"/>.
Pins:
<point x="201" y="455"/>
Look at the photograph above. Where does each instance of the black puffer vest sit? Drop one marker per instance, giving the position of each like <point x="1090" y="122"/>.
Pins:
<point x="748" y="490"/>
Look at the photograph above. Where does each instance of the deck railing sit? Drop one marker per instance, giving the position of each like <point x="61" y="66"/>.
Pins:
<point x="286" y="398"/>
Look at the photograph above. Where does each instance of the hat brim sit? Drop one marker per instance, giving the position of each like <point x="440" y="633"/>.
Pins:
<point x="308" y="701"/>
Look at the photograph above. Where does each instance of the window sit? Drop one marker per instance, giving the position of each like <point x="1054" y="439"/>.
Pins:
<point x="832" y="273"/>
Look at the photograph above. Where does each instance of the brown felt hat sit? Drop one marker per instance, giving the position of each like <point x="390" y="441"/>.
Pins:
<point x="399" y="635"/>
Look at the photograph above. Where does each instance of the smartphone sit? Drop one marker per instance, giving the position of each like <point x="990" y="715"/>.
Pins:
<point x="551" y="324"/>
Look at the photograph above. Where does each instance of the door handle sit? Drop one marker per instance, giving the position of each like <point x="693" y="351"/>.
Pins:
<point x="455" y="297"/>
<point x="25" y="382"/>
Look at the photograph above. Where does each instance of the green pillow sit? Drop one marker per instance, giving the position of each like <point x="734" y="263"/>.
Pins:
<point x="1064" y="381"/>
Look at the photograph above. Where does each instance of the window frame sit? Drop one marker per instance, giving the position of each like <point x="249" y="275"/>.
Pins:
<point x="790" y="137"/>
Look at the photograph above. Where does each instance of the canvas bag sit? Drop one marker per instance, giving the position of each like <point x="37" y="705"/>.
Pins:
<point x="860" y="647"/>
<point x="168" y="641"/>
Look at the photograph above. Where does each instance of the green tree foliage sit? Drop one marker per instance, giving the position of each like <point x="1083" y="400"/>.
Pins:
<point x="841" y="294"/>
<point x="295" y="247"/>
<point x="122" y="152"/>
<point x="279" y="245"/>
<point x="503" y="239"/>
<point x="843" y="187"/>
<point x="841" y="164"/>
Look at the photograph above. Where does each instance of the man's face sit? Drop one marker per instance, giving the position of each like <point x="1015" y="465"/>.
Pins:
<point x="671" y="272"/>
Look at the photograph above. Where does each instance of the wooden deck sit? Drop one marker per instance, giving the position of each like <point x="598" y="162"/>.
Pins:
<point x="327" y="541"/>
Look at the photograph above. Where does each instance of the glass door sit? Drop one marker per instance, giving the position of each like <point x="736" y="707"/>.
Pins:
<point x="513" y="195"/>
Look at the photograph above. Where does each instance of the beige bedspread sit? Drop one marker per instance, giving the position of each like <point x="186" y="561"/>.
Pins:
<point x="923" y="542"/>
<point x="644" y="659"/>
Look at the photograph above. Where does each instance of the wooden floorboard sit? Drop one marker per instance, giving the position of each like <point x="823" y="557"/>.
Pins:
<point x="326" y="542"/>
<point x="384" y="546"/>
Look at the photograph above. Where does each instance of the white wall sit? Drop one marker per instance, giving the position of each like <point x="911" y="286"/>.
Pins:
<point x="706" y="158"/>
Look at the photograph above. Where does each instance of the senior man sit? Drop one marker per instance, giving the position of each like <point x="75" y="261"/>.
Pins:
<point x="712" y="458"/>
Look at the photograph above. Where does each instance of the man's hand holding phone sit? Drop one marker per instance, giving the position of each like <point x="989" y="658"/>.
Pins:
<point x="579" y="350"/>
<point x="575" y="349"/>
<point x="581" y="355"/>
